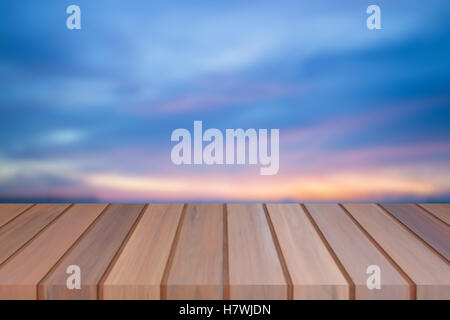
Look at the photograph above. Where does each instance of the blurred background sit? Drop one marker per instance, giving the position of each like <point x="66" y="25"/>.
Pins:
<point x="86" y="115"/>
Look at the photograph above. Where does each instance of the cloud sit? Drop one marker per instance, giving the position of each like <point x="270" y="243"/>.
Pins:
<point x="346" y="123"/>
<point x="210" y="99"/>
<point x="356" y="185"/>
<point x="64" y="137"/>
<point x="361" y="114"/>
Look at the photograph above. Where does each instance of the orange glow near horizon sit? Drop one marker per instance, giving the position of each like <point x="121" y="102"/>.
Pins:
<point x="342" y="186"/>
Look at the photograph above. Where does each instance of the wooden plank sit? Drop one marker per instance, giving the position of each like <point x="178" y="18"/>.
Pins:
<point x="426" y="226"/>
<point x="429" y="271"/>
<point x="138" y="272"/>
<point x="204" y="252"/>
<point x="255" y="271"/>
<point x="314" y="273"/>
<point x="9" y="211"/>
<point x="439" y="210"/>
<point x="196" y="271"/>
<point x="93" y="254"/>
<point x="356" y="253"/>
<point x="22" y="229"/>
<point x="20" y="275"/>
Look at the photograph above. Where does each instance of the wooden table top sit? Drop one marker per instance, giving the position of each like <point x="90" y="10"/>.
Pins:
<point x="225" y="251"/>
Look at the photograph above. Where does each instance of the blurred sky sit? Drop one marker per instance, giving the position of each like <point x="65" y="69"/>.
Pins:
<point x="364" y="115"/>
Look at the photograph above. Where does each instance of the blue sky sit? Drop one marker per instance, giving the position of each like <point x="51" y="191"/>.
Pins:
<point x="87" y="114"/>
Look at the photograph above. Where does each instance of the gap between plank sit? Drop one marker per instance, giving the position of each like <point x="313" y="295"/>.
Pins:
<point x="226" y="261"/>
<point x="117" y="254"/>
<point x="412" y="285"/>
<point x="413" y="233"/>
<point x="18" y="215"/>
<point x="40" y="290"/>
<point x="165" y="277"/>
<point x="287" y="276"/>
<point x="432" y="214"/>
<point x="36" y="235"/>
<point x="351" y="284"/>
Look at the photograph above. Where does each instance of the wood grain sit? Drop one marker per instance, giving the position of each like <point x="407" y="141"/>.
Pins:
<point x="426" y="226"/>
<point x="217" y="251"/>
<point x="356" y="252"/>
<point x="93" y="254"/>
<point x="314" y="273"/>
<point x="9" y="211"/>
<point x="196" y="271"/>
<point x="20" y="275"/>
<point x="138" y="272"/>
<point x="255" y="271"/>
<point x="430" y="272"/>
<point x="22" y="229"/>
<point x="439" y="210"/>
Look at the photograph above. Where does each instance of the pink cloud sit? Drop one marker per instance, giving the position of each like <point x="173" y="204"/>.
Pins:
<point x="343" y="185"/>
<point x="354" y="122"/>
<point x="219" y="99"/>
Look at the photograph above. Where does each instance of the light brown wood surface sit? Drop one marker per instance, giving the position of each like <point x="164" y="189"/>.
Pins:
<point x="93" y="254"/>
<point x="196" y="271"/>
<point x="21" y="274"/>
<point x="427" y="270"/>
<point x="9" y="211"/>
<point x="314" y="273"/>
<point x="356" y="253"/>
<point x="429" y="228"/>
<point x="22" y="229"/>
<point x="439" y="210"/>
<point x="139" y="270"/>
<point x="217" y="251"/>
<point x="255" y="271"/>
